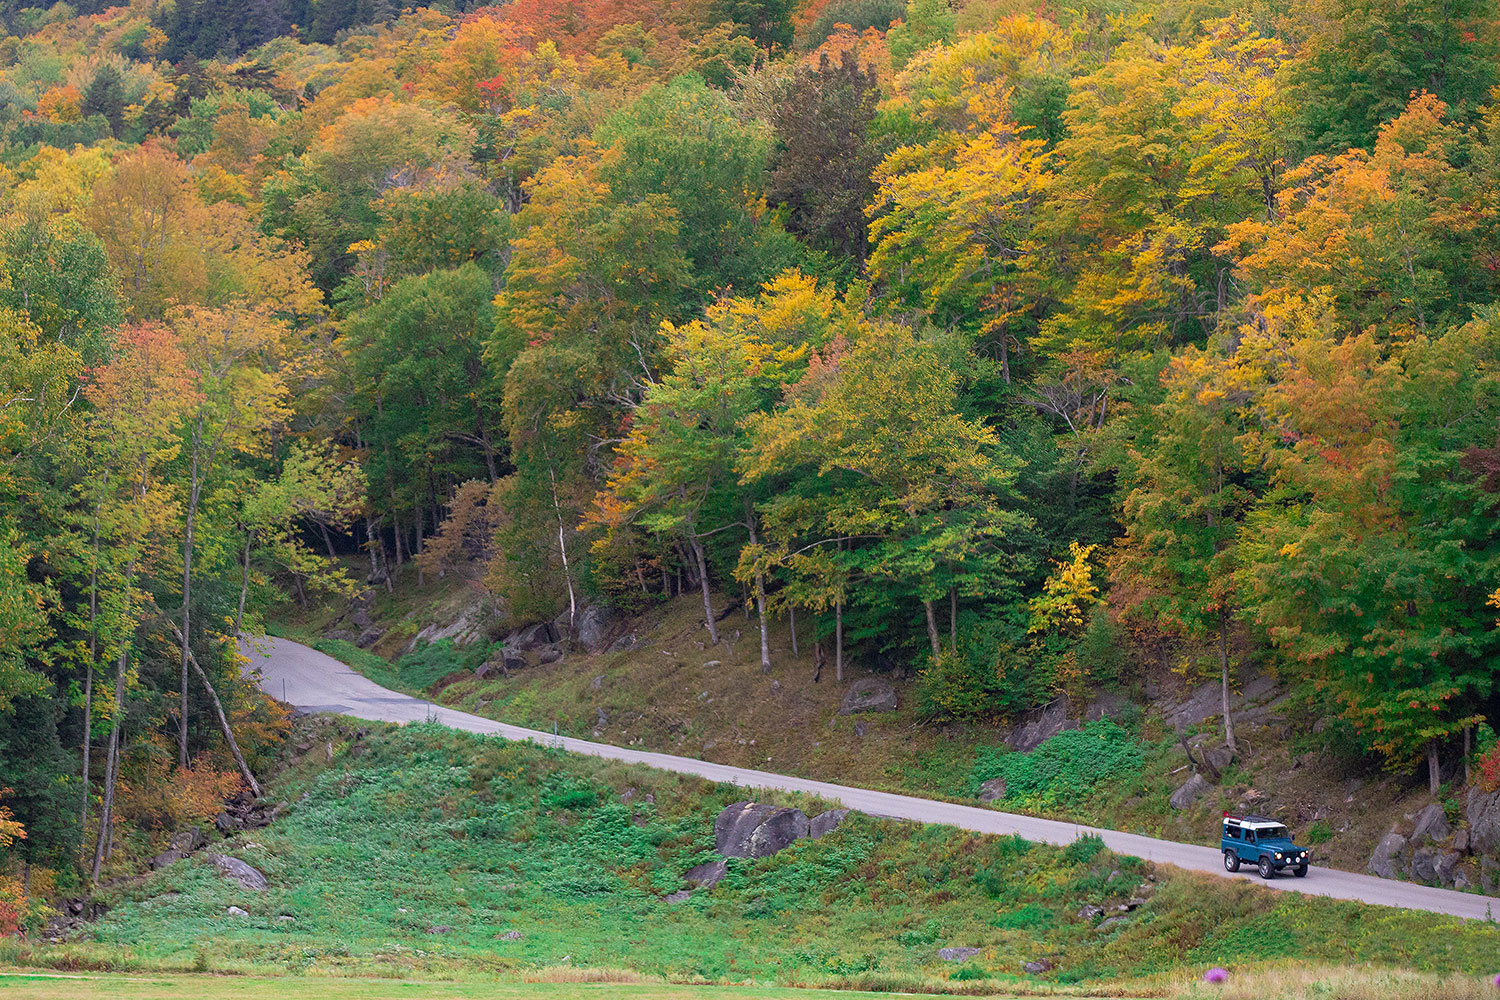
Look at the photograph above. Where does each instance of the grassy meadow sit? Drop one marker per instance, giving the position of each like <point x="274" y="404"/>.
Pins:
<point x="422" y="853"/>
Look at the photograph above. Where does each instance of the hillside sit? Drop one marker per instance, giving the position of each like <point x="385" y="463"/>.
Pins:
<point x="420" y="852"/>
<point x="672" y="693"/>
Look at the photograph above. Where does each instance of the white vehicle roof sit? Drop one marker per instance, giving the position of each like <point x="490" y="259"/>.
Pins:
<point x="1254" y="824"/>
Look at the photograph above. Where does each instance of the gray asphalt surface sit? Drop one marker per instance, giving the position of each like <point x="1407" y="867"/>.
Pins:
<point x="315" y="682"/>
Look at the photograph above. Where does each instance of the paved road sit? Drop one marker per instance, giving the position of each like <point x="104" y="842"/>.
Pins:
<point x="314" y="681"/>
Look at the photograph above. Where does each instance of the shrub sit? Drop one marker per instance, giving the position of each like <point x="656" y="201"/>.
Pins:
<point x="1064" y="769"/>
<point x="431" y="662"/>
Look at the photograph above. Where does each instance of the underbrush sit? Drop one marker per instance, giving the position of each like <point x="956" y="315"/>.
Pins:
<point x="1064" y="770"/>
<point x="421" y="851"/>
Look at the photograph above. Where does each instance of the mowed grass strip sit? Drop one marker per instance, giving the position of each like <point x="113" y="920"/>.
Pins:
<point x="30" y="986"/>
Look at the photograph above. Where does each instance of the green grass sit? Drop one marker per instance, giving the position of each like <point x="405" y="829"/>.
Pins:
<point x="414" y="828"/>
<point x="28" y="986"/>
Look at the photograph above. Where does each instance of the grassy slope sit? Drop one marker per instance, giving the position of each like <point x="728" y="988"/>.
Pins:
<point x="663" y="695"/>
<point x="24" y="986"/>
<point x="406" y="830"/>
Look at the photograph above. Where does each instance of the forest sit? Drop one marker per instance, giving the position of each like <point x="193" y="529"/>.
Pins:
<point x="1017" y="342"/>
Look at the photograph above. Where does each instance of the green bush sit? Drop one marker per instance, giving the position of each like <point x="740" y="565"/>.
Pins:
<point x="430" y="662"/>
<point x="1064" y="769"/>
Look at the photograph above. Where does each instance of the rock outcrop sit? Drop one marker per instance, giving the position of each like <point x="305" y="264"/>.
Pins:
<point x="825" y="823"/>
<point x="1387" y="855"/>
<point x="869" y="694"/>
<point x="758" y="829"/>
<point x="1482" y="810"/>
<point x="1189" y="792"/>
<point x="234" y="868"/>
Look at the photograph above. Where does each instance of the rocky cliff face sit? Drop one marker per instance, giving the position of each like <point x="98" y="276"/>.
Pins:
<point x="1461" y="853"/>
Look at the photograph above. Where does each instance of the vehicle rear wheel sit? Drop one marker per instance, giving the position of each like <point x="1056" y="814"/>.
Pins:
<point x="1231" y="861"/>
<point x="1266" y="871"/>
<point x="1300" y="871"/>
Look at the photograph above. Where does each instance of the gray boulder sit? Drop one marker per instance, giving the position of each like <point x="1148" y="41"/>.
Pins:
<point x="1090" y="912"/>
<point x="1038" y="967"/>
<point x="706" y="876"/>
<point x="1040" y="726"/>
<point x="1218" y="758"/>
<point x="533" y="637"/>
<point x="236" y="869"/>
<point x="187" y="841"/>
<point x="548" y="654"/>
<point x="1483" y="813"/>
<point x="1431" y="824"/>
<point x="165" y="858"/>
<point x="957" y="954"/>
<point x="1189" y="792"/>
<point x="992" y="790"/>
<point x="235" y="911"/>
<point x="1489" y="875"/>
<point x="1447" y="864"/>
<point x="869" y="694"/>
<point x="757" y="829"/>
<point x="592" y="627"/>
<point x="1385" y="861"/>
<point x="1424" y="864"/>
<point x="825" y="823"/>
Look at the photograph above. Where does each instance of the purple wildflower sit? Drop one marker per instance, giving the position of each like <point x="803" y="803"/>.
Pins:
<point x="1215" y="975"/>
<point x="1497" y="982"/>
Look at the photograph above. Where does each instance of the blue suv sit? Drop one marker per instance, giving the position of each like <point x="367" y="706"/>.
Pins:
<point x="1261" y="842"/>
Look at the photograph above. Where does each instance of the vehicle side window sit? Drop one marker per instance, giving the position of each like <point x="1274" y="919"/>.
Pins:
<point x="1250" y="836"/>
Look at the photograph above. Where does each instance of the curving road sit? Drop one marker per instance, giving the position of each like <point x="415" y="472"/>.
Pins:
<point x="315" y="682"/>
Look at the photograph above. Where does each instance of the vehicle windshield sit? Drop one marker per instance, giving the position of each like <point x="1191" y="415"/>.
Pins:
<point x="1272" y="833"/>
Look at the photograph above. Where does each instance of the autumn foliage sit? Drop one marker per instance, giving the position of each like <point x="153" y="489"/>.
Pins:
<point x="1024" y="348"/>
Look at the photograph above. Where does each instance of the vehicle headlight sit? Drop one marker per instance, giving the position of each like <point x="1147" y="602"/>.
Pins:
<point x="1278" y="855"/>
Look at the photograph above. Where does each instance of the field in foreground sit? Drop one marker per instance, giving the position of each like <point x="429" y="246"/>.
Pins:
<point x="422" y="853"/>
<point x="26" y="986"/>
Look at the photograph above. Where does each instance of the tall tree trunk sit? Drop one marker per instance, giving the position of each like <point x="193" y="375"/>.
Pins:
<point x="932" y="631"/>
<point x="107" y="806"/>
<point x="234" y="746"/>
<point x="88" y="682"/>
<point x="327" y="540"/>
<point x="708" y="604"/>
<point x="1224" y="680"/>
<point x="791" y="610"/>
<point x="760" y="595"/>
<point x="1433" y="782"/>
<point x="421" y="573"/>
<point x="239" y="615"/>
<point x="838" y="642"/>
<point x="187" y="594"/>
<point x="562" y="546"/>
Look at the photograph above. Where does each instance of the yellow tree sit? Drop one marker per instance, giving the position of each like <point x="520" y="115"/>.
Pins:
<point x="234" y="355"/>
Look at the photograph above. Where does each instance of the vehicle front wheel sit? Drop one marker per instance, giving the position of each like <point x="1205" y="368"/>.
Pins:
<point x="1266" y="871"/>
<point x="1231" y="861"/>
<point x="1300" y="871"/>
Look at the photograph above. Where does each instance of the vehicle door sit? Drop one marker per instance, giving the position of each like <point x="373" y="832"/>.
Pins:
<point x="1246" y="848"/>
